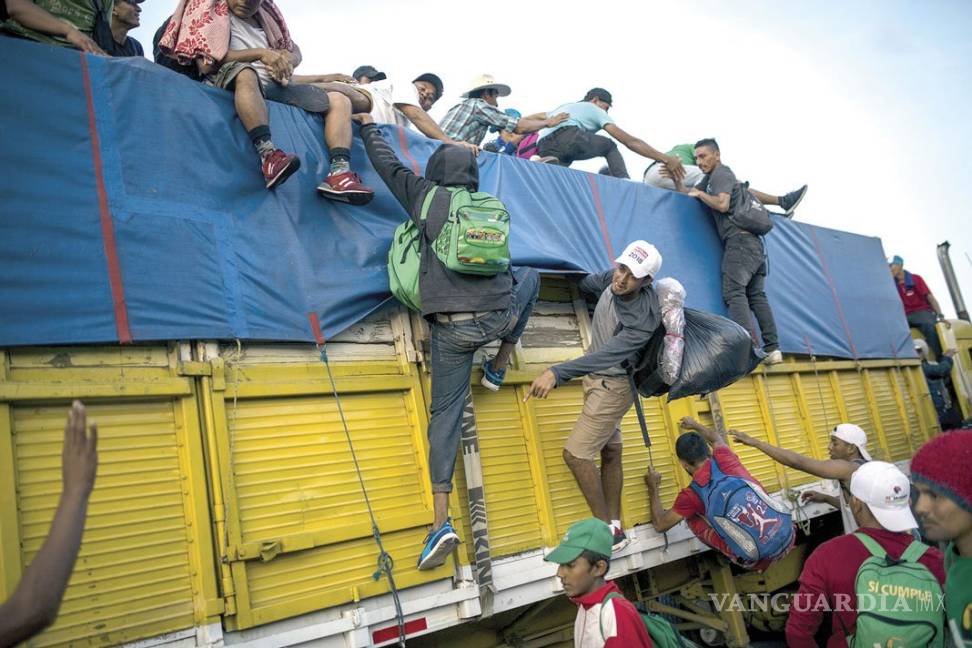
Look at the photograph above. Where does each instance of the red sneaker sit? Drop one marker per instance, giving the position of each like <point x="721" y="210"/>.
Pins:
<point x="346" y="187"/>
<point x="278" y="166"/>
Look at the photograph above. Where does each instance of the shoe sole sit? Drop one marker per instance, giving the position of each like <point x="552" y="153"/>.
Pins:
<point x="789" y="212"/>
<point x="491" y="386"/>
<point x="439" y="553"/>
<point x="284" y="173"/>
<point x="770" y="363"/>
<point x="621" y="545"/>
<point x="356" y="198"/>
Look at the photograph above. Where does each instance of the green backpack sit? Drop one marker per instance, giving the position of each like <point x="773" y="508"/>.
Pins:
<point x="475" y="239"/>
<point x="662" y="632"/>
<point x="898" y="601"/>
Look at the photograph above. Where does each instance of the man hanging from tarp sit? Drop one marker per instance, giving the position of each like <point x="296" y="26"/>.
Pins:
<point x="465" y="311"/>
<point x="626" y="317"/>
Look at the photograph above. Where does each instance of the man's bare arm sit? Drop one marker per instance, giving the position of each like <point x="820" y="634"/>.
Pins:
<point x="712" y="437"/>
<point x="641" y="147"/>
<point x="824" y="468"/>
<point x="661" y="518"/>
<point x="36" y="600"/>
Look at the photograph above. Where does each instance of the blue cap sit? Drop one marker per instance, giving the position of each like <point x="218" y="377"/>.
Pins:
<point x="511" y="112"/>
<point x="896" y="260"/>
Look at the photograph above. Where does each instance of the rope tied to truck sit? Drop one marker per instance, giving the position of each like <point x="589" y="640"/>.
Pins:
<point x="386" y="563"/>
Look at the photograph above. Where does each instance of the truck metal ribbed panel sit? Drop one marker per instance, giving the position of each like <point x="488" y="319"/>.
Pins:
<point x="741" y="411"/>
<point x="789" y="425"/>
<point x="855" y="401"/>
<point x="132" y="576"/>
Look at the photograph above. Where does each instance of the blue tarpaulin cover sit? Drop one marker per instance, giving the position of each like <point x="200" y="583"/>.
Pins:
<point x="133" y="209"/>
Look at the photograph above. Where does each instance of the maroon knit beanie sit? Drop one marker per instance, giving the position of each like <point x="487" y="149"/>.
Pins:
<point x="945" y="465"/>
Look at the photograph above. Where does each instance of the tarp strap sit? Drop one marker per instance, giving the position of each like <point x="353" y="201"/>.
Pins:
<point x="403" y="142"/>
<point x="599" y="209"/>
<point x="833" y="293"/>
<point x="385" y="563"/>
<point x="107" y="224"/>
<point x="816" y="374"/>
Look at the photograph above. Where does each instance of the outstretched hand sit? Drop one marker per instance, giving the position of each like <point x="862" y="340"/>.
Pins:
<point x="688" y="423"/>
<point x="83" y="42"/>
<point x="469" y="147"/>
<point x="809" y="496"/>
<point x="652" y="479"/>
<point x="742" y="437"/>
<point x="675" y="169"/>
<point x="557" y="119"/>
<point x="79" y="459"/>
<point x="542" y="386"/>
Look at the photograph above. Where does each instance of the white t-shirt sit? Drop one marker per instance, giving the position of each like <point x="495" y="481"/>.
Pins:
<point x="243" y="36"/>
<point x="384" y="95"/>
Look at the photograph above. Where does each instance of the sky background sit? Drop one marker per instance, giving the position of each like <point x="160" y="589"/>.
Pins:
<point x="867" y="102"/>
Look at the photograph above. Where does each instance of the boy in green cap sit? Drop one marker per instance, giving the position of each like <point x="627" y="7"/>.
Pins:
<point x="605" y="619"/>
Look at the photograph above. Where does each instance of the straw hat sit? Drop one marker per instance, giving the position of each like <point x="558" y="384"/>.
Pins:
<point x="486" y="81"/>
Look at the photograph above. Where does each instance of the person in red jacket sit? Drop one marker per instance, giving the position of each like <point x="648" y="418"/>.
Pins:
<point x="605" y="619"/>
<point x="880" y="503"/>
<point x="920" y="306"/>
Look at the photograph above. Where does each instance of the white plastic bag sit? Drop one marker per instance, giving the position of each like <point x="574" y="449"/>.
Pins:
<point x="671" y="297"/>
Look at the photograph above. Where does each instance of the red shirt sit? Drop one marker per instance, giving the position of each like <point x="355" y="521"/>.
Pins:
<point x="689" y="506"/>
<point x="832" y="570"/>
<point x="620" y="622"/>
<point x="914" y="298"/>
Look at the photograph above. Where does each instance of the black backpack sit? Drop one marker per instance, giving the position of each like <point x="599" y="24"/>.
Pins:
<point x="164" y="60"/>
<point x="747" y="213"/>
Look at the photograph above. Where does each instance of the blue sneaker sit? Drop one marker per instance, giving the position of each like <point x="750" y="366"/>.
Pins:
<point x="438" y="545"/>
<point x="492" y="379"/>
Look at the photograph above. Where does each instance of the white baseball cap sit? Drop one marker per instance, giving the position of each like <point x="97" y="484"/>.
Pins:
<point x="853" y="435"/>
<point x="887" y="493"/>
<point x="641" y="258"/>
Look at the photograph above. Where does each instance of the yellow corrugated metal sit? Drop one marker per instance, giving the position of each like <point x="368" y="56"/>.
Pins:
<point x="853" y="395"/>
<point x="741" y="411"/>
<point x="132" y="578"/>
<point x="555" y="420"/>
<point x="635" y="504"/>
<point x="790" y="432"/>
<point x="822" y="407"/>
<point x="293" y="468"/>
<point x="294" y="477"/>
<point x="511" y="506"/>
<point x="895" y="432"/>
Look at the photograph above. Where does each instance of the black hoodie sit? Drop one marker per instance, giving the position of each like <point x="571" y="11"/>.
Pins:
<point x="443" y="291"/>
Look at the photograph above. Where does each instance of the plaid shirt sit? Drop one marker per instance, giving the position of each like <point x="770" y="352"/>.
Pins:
<point x="469" y="120"/>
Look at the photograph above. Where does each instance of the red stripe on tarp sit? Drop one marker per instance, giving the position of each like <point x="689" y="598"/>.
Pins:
<point x="107" y="224"/>
<point x="833" y="293"/>
<point x="315" y="325"/>
<point x="599" y="208"/>
<point x="391" y="632"/>
<point x="403" y="142"/>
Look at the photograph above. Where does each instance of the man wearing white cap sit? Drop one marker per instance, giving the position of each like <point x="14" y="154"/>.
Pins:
<point x="469" y="119"/>
<point x="626" y="316"/>
<point x="848" y="452"/>
<point x="880" y="501"/>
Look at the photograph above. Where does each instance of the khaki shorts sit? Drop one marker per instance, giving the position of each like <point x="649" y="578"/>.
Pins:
<point x="606" y="400"/>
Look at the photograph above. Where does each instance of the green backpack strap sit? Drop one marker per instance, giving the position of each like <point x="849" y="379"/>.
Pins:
<point x="915" y="551"/>
<point x="871" y="545"/>
<point x="427" y="203"/>
<point x="600" y="615"/>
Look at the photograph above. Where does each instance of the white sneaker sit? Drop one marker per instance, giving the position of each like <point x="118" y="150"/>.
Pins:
<point x="773" y="357"/>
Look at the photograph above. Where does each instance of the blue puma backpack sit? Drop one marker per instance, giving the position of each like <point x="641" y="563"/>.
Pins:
<point x="745" y="517"/>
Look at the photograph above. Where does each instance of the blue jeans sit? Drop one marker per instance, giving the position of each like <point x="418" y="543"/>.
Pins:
<point x="453" y="346"/>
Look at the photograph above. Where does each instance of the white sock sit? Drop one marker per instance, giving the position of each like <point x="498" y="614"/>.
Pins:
<point x="616" y="524"/>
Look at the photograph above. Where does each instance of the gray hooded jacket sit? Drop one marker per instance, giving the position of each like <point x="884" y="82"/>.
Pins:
<point x="636" y="320"/>
<point x="442" y="290"/>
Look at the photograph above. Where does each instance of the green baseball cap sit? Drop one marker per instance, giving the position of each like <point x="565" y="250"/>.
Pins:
<point x="591" y="534"/>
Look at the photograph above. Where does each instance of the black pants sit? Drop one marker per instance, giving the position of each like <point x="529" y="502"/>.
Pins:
<point x="924" y="321"/>
<point x="572" y="143"/>
<point x="743" y="281"/>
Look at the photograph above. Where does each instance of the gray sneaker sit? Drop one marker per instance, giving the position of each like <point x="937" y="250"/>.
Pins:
<point x="789" y="202"/>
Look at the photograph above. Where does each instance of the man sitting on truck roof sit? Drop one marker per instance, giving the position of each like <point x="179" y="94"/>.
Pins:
<point x="658" y="175"/>
<point x="465" y="312"/>
<point x="694" y="453"/>
<point x="848" y="452"/>
<point x="920" y="306"/>
<point x="605" y="618"/>
<point x="577" y="138"/>
<point x="743" y="257"/>
<point x="469" y="119"/>
<point x="249" y="51"/>
<point x="625" y="318"/>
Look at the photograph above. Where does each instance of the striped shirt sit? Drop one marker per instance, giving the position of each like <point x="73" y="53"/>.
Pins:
<point x="469" y="120"/>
